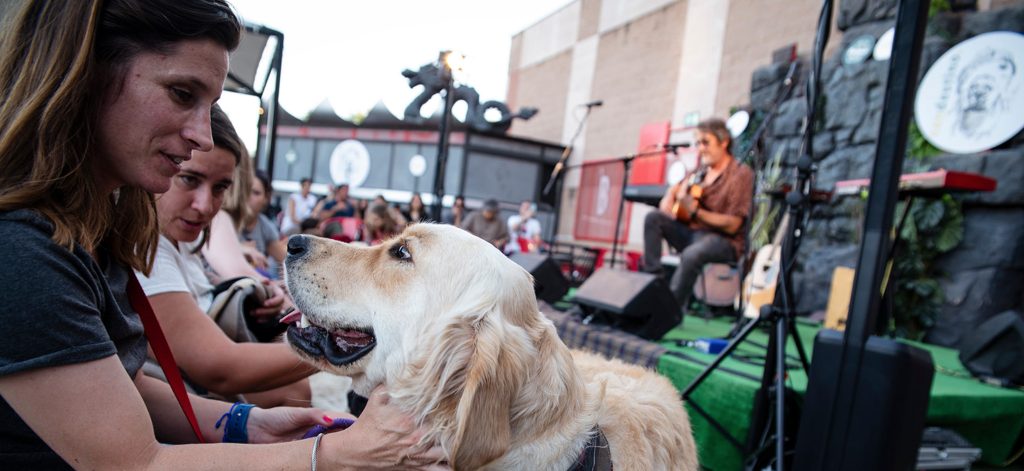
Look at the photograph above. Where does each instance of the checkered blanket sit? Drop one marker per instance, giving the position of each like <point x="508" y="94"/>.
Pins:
<point x="602" y="339"/>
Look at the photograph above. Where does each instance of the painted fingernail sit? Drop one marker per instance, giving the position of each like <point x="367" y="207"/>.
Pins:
<point x="328" y="418"/>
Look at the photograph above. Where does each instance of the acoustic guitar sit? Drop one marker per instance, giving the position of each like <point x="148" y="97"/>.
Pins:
<point x="695" y="191"/>
<point x="759" y="286"/>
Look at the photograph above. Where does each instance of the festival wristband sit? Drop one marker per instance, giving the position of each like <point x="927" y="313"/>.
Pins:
<point x="236" y="428"/>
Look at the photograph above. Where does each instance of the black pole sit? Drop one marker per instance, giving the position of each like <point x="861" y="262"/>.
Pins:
<point x="626" y="164"/>
<point x="273" y="109"/>
<point x="554" y="181"/>
<point x="444" y="134"/>
<point x="865" y="300"/>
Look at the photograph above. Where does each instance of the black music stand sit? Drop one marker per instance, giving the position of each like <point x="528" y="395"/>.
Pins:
<point x="627" y="165"/>
<point x="556" y="172"/>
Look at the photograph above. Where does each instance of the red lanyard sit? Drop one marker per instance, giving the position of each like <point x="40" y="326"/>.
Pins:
<point x="162" y="351"/>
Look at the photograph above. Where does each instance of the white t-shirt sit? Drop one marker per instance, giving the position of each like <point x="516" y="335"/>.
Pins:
<point x="178" y="270"/>
<point x="303" y="209"/>
<point x="527" y="230"/>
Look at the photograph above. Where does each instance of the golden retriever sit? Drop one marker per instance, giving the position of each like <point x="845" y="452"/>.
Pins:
<point x="452" y="327"/>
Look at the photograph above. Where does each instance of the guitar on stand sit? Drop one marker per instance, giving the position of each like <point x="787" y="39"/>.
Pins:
<point x="759" y="285"/>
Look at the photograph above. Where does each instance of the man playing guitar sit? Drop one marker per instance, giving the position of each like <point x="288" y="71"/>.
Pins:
<point x="704" y="216"/>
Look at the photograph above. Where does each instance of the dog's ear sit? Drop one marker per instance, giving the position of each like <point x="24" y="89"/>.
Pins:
<point x="476" y="369"/>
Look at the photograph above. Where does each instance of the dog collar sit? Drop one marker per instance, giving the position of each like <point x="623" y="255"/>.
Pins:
<point x="596" y="455"/>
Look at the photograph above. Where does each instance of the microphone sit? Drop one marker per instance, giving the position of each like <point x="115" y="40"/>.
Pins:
<point x="591" y="104"/>
<point x="672" y="146"/>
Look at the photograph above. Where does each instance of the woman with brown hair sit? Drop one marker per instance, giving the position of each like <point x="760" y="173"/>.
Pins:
<point x="101" y="101"/>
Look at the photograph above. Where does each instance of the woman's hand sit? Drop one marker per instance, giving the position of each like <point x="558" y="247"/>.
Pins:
<point x="282" y="424"/>
<point x="383" y="437"/>
<point x="254" y="256"/>
<point x="275" y="304"/>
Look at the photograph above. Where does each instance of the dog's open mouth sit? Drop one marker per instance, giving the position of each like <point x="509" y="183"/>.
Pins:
<point x="339" y="347"/>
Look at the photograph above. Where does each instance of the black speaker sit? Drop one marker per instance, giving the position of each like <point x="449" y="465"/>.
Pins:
<point x="548" y="281"/>
<point x="638" y="303"/>
<point x="887" y="412"/>
<point x="996" y="348"/>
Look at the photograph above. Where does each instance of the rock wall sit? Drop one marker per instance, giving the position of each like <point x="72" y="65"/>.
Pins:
<point x="985" y="274"/>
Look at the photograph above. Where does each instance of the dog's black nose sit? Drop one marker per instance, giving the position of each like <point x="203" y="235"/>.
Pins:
<point x="297" y="246"/>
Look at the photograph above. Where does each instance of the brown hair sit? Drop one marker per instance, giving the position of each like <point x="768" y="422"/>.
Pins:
<point x="58" y="60"/>
<point x="718" y="128"/>
<point x="236" y="198"/>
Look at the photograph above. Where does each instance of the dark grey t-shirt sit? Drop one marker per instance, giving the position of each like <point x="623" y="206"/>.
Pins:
<point x="57" y="307"/>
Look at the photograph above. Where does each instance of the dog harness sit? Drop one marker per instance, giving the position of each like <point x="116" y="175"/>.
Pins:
<point x="596" y="455"/>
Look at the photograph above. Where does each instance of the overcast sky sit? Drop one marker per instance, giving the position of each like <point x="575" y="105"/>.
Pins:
<point x="353" y="52"/>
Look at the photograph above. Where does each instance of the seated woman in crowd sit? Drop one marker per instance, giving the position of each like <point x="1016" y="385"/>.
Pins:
<point x="380" y="223"/>
<point x="226" y="256"/>
<point x="180" y="292"/>
<point x="417" y="211"/>
<point x="259" y="236"/>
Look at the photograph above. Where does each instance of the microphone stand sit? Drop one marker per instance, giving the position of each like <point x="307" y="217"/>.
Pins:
<point x="556" y="172"/>
<point x="627" y="163"/>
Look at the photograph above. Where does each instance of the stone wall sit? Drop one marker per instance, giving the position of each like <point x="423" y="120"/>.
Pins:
<point x="984" y="275"/>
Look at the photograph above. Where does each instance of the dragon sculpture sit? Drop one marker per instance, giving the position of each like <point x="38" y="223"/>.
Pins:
<point x="433" y="80"/>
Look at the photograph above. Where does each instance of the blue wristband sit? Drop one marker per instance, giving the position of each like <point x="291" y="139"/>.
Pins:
<point x="235" y="430"/>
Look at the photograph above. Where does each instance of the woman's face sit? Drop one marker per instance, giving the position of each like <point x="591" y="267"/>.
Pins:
<point x="160" y="115"/>
<point x="196" y="194"/>
<point x="258" y="196"/>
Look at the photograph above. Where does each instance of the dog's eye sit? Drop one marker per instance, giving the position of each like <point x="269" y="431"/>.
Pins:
<point x="401" y="252"/>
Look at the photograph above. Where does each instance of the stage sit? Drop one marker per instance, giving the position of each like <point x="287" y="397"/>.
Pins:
<point x="991" y="418"/>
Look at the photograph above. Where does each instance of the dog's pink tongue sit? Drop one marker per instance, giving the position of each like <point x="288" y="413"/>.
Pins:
<point x="346" y="337"/>
<point x="291" y="317"/>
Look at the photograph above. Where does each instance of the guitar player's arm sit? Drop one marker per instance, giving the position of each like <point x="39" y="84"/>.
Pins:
<point x="665" y="205"/>
<point x="726" y="223"/>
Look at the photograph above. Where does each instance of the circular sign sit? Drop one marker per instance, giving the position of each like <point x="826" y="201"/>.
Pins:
<point x="737" y="123"/>
<point x="676" y="172"/>
<point x="970" y="99"/>
<point x="350" y="163"/>
<point x="417" y="165"/>
<point x="883" y="48"/>
<point x="859" y="49"/>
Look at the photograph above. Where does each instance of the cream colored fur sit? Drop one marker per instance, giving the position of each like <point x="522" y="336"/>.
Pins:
<point x="463" y="347"/>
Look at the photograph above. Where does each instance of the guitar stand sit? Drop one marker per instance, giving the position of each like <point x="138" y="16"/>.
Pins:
<point x="781" y="316"/>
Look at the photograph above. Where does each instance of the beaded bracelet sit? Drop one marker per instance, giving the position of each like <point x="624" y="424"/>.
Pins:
<point x="236" y="428"/>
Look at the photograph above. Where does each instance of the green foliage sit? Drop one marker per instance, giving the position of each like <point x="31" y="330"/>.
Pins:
<point x="764" y="211"/>
<point x="932" y="228"/>
<point x="919" y="150"/>
<point x="938" y="6"/>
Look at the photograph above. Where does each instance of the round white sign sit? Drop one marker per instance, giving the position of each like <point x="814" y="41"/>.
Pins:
<point x="676" y="172"/>
<point x="883" y="48"/>
<point x="350" y="163"/>
<point x="971" y="98"/>
<point x="737" y="123"/>
<point x="417" y="165"/>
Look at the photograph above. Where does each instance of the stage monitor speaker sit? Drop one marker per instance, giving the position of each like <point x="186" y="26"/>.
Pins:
<point x="889" y="407"/>
<point x="548" y="281"/>
<point x="996" y="348"/>
<point x="638" y="303"/>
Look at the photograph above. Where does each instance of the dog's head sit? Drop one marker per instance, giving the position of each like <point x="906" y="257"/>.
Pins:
<point x="438" y="314"/>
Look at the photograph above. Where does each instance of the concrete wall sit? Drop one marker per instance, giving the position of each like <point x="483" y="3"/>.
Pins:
<point x="648" y="60"/>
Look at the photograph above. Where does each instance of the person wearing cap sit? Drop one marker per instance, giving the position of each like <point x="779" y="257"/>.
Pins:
<point x="485" y="224"/>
